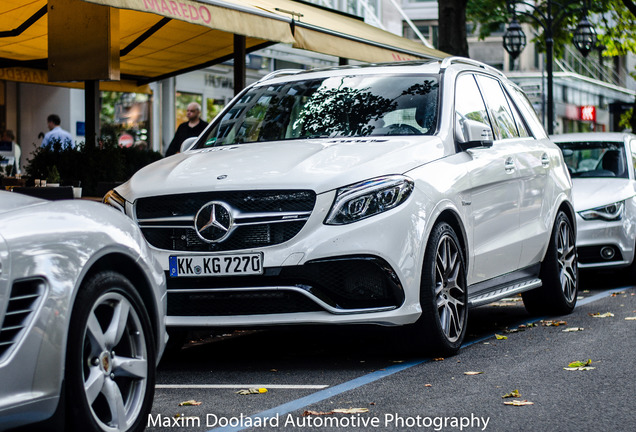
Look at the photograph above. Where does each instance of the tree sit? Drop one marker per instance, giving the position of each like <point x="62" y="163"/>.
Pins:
<point x="452" y="27"/>
<point x="613" y="20"/>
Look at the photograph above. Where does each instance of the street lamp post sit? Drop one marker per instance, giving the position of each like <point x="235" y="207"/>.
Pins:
<point x="514" y="39"/>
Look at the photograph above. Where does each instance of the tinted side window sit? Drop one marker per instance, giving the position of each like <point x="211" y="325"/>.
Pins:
<point x="498" y="106"/>
<point x="528" y="112"/>
<point x="521" y="125"/>
<point x="468" y="104"/>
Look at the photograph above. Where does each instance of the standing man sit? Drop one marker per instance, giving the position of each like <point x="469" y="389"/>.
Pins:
<point x="56" y="133"/>
<point x="192" y="128"/>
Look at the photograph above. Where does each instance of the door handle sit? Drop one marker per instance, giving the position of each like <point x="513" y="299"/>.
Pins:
<point x="509" y="165"/>
<point x="545" y="160"/>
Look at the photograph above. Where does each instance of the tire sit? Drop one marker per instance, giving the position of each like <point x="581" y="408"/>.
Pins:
<point x="559" y="273"/>
<point x="443" y="295"/>
<point x="111" y="357"/>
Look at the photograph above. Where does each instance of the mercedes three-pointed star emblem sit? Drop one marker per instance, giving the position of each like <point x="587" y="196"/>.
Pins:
<point x="213" y="222"/>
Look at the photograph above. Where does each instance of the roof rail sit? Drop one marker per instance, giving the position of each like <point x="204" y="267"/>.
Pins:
<point x="446" y="62"/>
<point x="281" y="72"/>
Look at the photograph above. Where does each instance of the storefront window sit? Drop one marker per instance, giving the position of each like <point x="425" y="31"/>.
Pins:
<point x="3" y="106"/>
<point x="213" y="107"/>
<point x="125" y="118"/>
<point x="182" y="100"/>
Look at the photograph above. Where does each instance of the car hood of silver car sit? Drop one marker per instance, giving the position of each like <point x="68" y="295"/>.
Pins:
<point x="14" y="201"/>
<point x="317" y="164"/>
<point x="589" y="193"/>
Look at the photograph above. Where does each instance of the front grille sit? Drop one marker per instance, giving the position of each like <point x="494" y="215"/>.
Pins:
<point x="23" y="301"/>
<point x="261" y="218"/>
<point x="246" y="237"/>
<point x="343" y="283"/>
<point x="245" y="201"/>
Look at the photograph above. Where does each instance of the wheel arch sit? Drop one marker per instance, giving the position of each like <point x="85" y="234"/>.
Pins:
<point x="452" y="218"/>
<point x="127" y="267"/>
<point x="567" y="208"/>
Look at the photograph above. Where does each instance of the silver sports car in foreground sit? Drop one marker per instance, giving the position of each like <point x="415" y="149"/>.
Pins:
<point x="604" y="186"/>
<point x="82" y="307"/>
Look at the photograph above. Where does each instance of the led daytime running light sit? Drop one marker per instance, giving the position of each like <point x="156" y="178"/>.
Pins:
<point x="609" y="212"/>
<point x="365" y="199"/>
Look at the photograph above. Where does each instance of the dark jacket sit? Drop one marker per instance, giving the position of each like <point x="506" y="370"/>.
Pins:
<point x="184" y="132"/>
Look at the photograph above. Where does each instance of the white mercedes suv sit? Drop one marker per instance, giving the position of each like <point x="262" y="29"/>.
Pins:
<point x="399" y="195"/>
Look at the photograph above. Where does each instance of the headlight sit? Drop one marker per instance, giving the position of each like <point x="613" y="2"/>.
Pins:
<point x="115" y="200"/>
<point x="609" y="212"/>
<point x="368" y="198"/>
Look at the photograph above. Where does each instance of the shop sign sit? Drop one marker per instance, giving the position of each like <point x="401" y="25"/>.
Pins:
<point x="587" y="113"/>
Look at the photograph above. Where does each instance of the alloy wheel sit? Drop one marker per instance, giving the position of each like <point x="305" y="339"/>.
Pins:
<point x="450" y="293"/>
<point x="566" y="256"/>
<point x="115" y="362"/>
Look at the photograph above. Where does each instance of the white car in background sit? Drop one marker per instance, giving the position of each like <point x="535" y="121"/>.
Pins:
<point x="398" y="195"/>
<point x="601" y="165"/>
<point x="82" y="309"/>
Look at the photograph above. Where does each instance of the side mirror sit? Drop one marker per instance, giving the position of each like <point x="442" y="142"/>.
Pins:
<point x="187" y="144"/>
<point x="476" y="134"/>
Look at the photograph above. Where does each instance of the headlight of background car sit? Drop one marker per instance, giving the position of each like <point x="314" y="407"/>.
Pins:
<point x="115" y="200"/>
<point x="365" y="199"/>
<point x="609" y="212"/>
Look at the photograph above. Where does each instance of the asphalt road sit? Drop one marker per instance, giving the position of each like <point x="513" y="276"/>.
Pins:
<point x="323" y="369"/>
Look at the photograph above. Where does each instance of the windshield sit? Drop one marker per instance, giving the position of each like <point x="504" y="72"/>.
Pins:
<point x="595" y="159"/>
<point x="349" y="106"/>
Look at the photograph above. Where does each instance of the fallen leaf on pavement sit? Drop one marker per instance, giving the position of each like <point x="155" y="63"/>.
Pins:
<point x="351" y="410"/>
<point x="555" y="323"/>
<point x="518" y="403"/>
<point x="252" y="391"/>
<point x="501" y="337"/>
<point x="573" y="329"/>
<point x="316" y="413"/>
<point x="472" y="373"/>
<point x="630" y="318"/>
<point x="190" y="402"/>
<point x="512" y="394"/>
<point x="600" y="315"/>
<point x="438" y="359"/>
<point x="580" y="366"/>
<point x="580" y="363"/>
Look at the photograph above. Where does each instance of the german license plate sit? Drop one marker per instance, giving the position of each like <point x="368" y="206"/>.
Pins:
<point x="216" y="265"/>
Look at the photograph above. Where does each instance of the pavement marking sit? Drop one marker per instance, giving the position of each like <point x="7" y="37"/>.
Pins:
<point x="240" y="386"/>
<point x="376" y="375"/>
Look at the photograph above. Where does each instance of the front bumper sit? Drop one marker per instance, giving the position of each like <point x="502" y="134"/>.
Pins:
<point x="366" y="272"/>
<point x="605" y="244"/>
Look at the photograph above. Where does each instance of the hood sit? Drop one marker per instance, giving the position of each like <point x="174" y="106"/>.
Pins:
<point x="13" y="201"/>
<point x="319" y="165"/>
<point x="589" y="193"/>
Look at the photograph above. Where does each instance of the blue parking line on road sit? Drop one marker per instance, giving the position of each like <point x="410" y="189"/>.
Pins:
<point x="379" y="374"/>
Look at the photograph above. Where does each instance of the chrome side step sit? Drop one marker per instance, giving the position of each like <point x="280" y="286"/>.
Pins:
<point x="497" y="293"/>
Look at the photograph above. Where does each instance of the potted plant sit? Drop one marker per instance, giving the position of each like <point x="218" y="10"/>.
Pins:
<point x="53" y="176"/>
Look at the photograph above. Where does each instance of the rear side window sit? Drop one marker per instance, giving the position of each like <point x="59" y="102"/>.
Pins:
<point x="521" y="125"/>
<point x="528" y="112"/>
<point x="505" y="125"/>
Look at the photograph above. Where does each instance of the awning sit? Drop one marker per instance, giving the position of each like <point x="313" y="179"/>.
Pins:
<point x="160" y="38"/>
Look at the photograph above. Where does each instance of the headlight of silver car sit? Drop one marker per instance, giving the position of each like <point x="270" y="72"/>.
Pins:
<point x="115" y="200"/>
<point x="609" y="212"/>
<point x="368" y="198"/>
